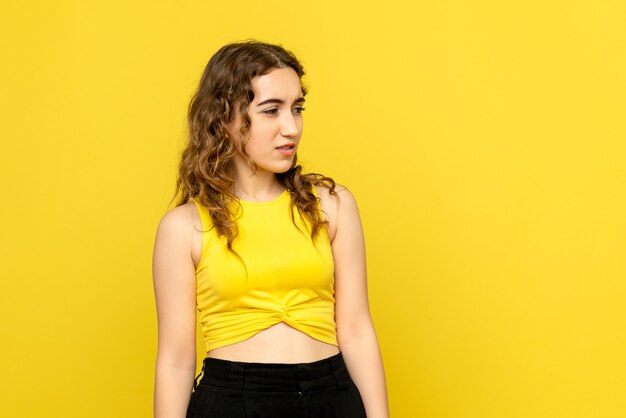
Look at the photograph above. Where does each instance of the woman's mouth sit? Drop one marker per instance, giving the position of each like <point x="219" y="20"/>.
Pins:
<point x="287" y="150"/>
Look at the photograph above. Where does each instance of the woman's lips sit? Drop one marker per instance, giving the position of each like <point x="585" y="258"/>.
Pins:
<point x="287" y="149"/>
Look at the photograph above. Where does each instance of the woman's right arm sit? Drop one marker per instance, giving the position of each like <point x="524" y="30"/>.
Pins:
<point x="174" y="280"/>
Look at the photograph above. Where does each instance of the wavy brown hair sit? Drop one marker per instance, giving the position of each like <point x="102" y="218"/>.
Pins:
<point x="206" y="169"/>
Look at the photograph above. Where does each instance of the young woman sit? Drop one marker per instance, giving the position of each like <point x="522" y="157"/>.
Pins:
<point x="273" y="260"/>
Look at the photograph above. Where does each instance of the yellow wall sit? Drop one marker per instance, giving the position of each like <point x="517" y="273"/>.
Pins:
<point x="485" y="142"/>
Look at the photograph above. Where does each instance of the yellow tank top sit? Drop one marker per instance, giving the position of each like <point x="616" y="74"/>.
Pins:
<point x="288" y="278"/>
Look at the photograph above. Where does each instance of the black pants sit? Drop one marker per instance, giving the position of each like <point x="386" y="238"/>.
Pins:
<point x="230" y="389"/>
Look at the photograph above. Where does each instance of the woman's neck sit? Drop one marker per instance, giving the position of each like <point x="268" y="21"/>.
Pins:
<point x="257" y="188"/>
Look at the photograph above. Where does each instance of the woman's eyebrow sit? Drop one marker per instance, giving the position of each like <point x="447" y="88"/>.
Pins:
<point x="280" y="101"/>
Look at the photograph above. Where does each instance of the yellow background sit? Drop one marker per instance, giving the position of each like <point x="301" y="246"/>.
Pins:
<point x="485" y="142"/>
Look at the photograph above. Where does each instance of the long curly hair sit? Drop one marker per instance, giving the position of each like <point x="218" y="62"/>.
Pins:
<point x="206" y="169"/>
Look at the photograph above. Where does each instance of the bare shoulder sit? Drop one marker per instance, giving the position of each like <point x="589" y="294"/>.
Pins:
<point x="180" y="220"/>
<point x="342" y="195"/>
<point x="334" y="205"/>
<point x="182" y="227"/>
<point x="178" y="242"/>
<point x="323" y="191"/>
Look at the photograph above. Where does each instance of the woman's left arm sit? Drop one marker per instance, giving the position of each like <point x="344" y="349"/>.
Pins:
<point x="355" y="330"/>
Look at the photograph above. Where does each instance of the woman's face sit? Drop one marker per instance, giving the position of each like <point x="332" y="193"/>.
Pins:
<point x="275" y="122"/>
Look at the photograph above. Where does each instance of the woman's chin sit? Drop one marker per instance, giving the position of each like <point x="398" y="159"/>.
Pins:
<point x="282" y="168"/>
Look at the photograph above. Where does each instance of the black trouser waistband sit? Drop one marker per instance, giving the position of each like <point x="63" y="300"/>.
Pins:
<point x="279" y="377"/>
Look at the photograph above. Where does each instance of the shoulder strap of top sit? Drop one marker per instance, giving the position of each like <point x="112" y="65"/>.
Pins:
<point x="318" y="205"/>
<point x="314" y="190"/>
<point x="205" y="217"/>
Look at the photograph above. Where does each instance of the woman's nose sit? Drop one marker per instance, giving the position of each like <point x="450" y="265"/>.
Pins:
<point x="289" y="125"/>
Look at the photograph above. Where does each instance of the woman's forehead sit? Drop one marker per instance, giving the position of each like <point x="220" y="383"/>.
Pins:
<point x="280" y="83"/>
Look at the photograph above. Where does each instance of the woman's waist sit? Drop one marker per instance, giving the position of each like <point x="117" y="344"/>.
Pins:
<point x="279" y="343"/>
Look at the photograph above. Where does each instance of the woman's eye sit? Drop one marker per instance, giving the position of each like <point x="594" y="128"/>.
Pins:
<point x="270" y="111"/>
<point x="299" y="109"/>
